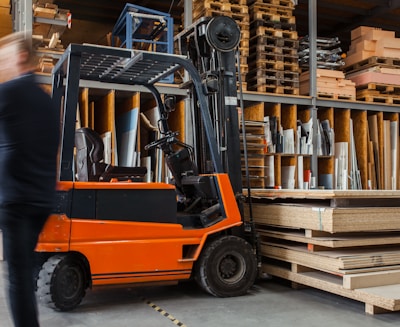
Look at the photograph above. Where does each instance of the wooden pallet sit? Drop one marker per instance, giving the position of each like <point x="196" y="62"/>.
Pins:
<point x="274" y="56"/>
<point x="349" y="268"/>
<point x="268" y="40"/>
<point x="244" y="52"/>
<point x="272" y="81"/>
<point x="334" y="96"/>
<point x="280" y="3"/>
<point x="272" y="64"/>
<point x="279" y="10"/>
<point x="260" y="18"/>
<point x="273" y="89"/>
<point x="260" y="15"/>
<point x="244" y="69"/>
<point x="235" y="2"/>
<point x="222" y="6"/>
<point x="272" y="49"/>
<point x="242" y="18"/>
<point x="272" y="73"/>
<point x="213" y="5"/>
<point x="238" y="2"/>
<point x="274" y="24"/>
<point x="376" y="97"/>
<point x="371" y="62"/>
<point x="268" y="31"/>
<point x="381" y="88"/>
<point x="378" y="299"/>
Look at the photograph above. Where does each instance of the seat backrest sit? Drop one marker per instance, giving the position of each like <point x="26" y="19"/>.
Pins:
<point x="90" y="154"/>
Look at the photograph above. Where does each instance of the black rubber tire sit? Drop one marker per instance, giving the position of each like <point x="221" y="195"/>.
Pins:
<point x="62" y="282"/>
<point x="227" y="267"/>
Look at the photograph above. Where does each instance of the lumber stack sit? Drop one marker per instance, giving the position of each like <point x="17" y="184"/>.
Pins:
<point x="237" y="10"/>
<point x="373" y="64"/>
<point x="273" y="60"/>
<point x="337" y="241"/>
<point x="256" y="148"/>
<point x="330" y="84"/>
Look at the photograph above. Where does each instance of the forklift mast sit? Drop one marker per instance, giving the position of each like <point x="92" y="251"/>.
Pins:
<point x="211" y="44"/>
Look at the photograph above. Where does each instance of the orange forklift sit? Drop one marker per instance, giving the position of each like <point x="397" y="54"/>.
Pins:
<point x="110" y="227"/>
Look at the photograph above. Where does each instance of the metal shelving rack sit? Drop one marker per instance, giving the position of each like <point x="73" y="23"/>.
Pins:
<point x="23" y="18"/>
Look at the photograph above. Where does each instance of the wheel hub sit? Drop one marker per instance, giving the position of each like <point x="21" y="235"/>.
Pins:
<point x="71" y="282"/>
<point x="228" y="267"/>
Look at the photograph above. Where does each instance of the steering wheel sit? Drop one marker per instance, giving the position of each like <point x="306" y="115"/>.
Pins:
<point x="161" y="142"/>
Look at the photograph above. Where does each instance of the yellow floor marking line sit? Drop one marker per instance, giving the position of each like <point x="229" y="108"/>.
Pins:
<point x="164" y="313"/>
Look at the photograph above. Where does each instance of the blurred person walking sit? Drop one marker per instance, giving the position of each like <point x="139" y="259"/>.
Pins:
<point x="29" y="137"/>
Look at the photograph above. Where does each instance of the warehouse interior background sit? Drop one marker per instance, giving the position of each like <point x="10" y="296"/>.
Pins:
<point x="345" y="223"/>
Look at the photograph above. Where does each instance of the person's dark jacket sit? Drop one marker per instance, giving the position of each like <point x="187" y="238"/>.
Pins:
<point x="29" y="138"/>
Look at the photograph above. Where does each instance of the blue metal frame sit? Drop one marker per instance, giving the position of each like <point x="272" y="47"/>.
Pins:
<point x="158" y="30"/>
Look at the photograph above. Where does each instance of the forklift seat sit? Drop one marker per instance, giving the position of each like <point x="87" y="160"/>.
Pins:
<point x="90" y="160"/>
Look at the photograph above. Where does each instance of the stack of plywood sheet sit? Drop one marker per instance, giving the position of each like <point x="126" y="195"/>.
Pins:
<point x="373" y="64"/>
<point x="330" y="84"/>
<point x="368" y="41"/>
<point x="273" y="60"/>
<point x="342" y="242"/>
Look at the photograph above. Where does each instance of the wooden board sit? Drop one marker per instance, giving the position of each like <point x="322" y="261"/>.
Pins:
<point x="367" y="77"/>
<point x="371" y="279"/>
<point x="322" y="194"/>
<point x="334" y="241"/>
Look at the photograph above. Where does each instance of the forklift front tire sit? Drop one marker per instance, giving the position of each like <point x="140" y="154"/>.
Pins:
<point x="227" y="267"/>
<point x="62" y="283"/>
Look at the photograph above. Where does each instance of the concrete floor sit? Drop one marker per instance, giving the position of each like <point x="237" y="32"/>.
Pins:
<point x="271" y="303"/>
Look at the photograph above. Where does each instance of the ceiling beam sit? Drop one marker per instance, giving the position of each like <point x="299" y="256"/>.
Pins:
<point x="360" y="20"/>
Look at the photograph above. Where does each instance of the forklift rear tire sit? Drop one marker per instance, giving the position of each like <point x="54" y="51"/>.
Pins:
<point x="227" y="267"/>
<point x="62" y="283"/>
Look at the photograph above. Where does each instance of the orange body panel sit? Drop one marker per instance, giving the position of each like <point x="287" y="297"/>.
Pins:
<point x="130" y="251"/>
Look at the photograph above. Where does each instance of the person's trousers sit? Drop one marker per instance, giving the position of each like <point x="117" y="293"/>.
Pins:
<point x="21" y="225"/>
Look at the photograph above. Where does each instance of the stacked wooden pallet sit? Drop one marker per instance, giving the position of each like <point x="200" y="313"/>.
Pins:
<point x="46" y="34"/>
<point x="330" y="84"/>
<point x="373" y="64"/>
<point x="273" y="60"/>
<point x="237" y="10"/>
<point x="336" y="241"/>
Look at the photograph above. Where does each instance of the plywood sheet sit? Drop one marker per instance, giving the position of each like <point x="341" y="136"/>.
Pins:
<point x="338" y="240"/>
<point x="323" y="194"/>
<point x="332" y="261"/>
